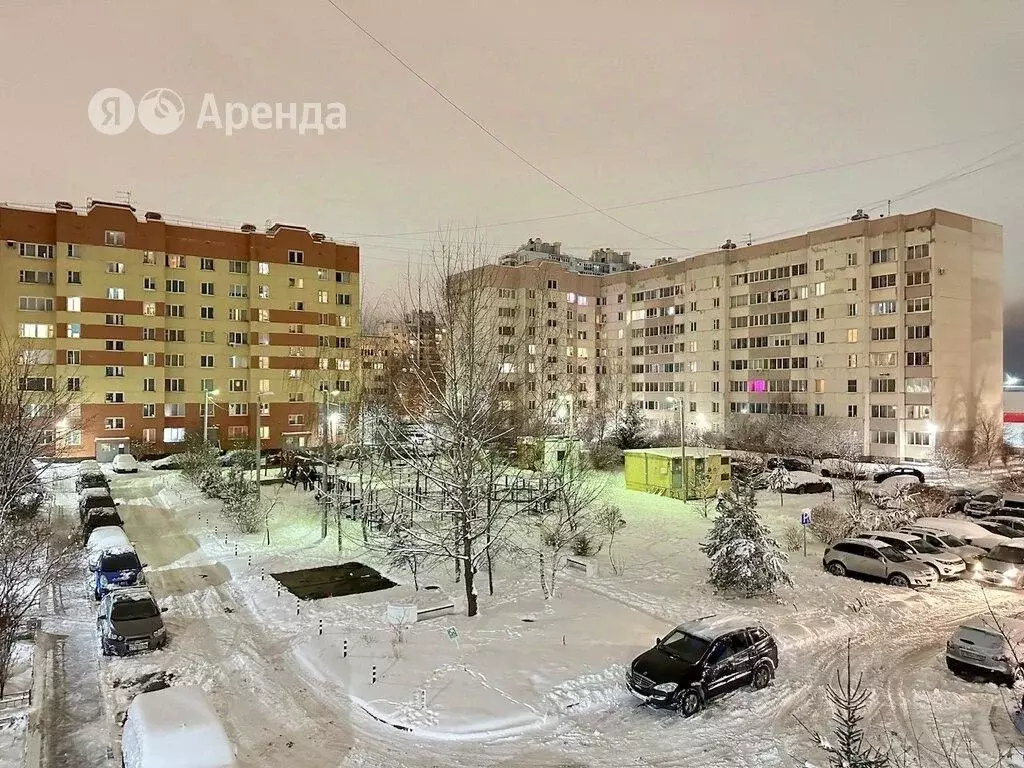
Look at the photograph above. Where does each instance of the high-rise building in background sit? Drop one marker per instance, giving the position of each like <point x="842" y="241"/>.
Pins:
<point x="144" y="317"/>
<point x="893" y="326"/>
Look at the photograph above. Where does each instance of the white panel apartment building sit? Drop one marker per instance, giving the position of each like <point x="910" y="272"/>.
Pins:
<point x="892" y="324"/>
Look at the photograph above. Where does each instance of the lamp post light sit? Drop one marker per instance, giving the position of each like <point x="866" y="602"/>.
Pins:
<point x="259" y="440"/>
<point x="325" y="449"/>
<point x="681" y="407"/>
<point x="207" y="394"/>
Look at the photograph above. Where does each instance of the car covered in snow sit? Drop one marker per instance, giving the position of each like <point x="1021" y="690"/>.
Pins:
<point x="983" y="503"/>
<point x="91" y="479"/>
<point x="946" y="565"/>
<point x="93" y="498"/>
<point x="176" y="727"/>
<point x="124" y="462"/>
<point x="885" y="474"/>
<point x="876" y="560"/>
<point x="130" y="621"/>
<point x="788" y="463"/>
<point x="967" y="530"/>
<point x="1003" y="566"/>
<point x="116" y="568"/>
<point x="843" y="469"/>
<point x="167" y="462"/>
<point x="702" y="660"/>
<point x="99" y="517"/>
<point x="104" y="538"/>
<point x="1000" y="528"/>
<point x="947" y="542"/>
<point x="989" y="648"/>
<point x="795" y="482"/>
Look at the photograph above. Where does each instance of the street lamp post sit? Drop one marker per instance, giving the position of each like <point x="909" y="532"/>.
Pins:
<point x="325" y="450"/>
<point x="207" y="394"/>
<point x="681" y="407"/>
<point x="259" y="439"/>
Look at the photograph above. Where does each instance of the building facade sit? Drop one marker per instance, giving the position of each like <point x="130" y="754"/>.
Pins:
<point x="143" y="317"/>
<point x="891" y="325"/>
<point x="602" y="261"/>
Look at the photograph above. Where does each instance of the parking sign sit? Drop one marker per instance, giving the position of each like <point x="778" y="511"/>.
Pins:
<point x="805" y="517"/>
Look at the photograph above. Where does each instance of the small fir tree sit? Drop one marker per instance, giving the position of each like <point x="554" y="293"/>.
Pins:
<point x="779" y="480"/>
<point x="631" y="428"/>
<point x="745" y="559"/>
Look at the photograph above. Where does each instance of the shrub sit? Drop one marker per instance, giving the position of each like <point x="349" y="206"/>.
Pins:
<point x="793" y="537"/>
<point x="829" y="523"/>
<point x="605" y="456"/>
<point x="584" y="545"/>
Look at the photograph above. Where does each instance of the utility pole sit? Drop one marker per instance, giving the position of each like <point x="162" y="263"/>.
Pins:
<point x="681" y="404"/>
<point x="259" y="441"/>
<point x="207" y="393"/>
<point x="323" y="479"/>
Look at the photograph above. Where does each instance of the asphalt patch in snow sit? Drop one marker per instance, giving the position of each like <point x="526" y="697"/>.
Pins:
<point x="333" y="581"/>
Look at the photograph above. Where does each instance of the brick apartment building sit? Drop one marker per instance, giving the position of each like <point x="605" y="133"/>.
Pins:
<point x="892" y="325"/>
<point x="141" y="316"/>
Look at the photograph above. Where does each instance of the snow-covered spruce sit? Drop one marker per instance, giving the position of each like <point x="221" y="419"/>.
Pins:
<point x="745" y="559"/>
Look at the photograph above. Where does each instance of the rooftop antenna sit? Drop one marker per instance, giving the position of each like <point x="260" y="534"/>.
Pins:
<point x="888" y="207"/>
<point x="123" y="196"/>
<point x="749" y="238"/>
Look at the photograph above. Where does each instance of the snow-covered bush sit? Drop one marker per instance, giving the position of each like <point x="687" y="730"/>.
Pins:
<point x="744" y="558"/>
<point x="585" y="545"/>
<point x="830" y="523"/>
<point x="241" y="501"/>
<point x="793" y="537"/>
<point x="605" y="456"/>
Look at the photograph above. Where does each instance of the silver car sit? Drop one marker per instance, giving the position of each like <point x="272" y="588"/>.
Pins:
<point x="947" y="542"/>
<point x="130" y="622"/>
<point x="1003" y="566"/>
<point x="876" y="559"/>
<point x="945" y="564"/>
<point x="988" y="647"/>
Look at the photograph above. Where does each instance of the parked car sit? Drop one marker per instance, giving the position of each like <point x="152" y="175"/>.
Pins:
<point x="93" y="498"/>
<point x="1016" y="522"/>
<point x="702" y="660"/>
<point x="89" y="465"/>
<point x="843" y="469"/>
<point x="124" y="462"/>
<point x="167" y="462"/>
<point x="877" y="560"/>
<point x="958" y="497"/>
<point x="945" y="564"/>
<point x="1005" y="513"/>
<point x="129" y="621"/>
<point x="116" y="568"/>
<point x="175" y="726"/>
<point x="91" y="479"/>
<point x="797" y="482"/>
<point x="100" y="517"/>
<point x="967" y="530"/>
<point x="793" y="465"/>
<point x="881" y="477"/>
<point x="104" y="538"/>
<point x="988" y="647"/>
<point x="982" y="503"/>
<point x="1013" y="500"/>
<point x="1003" y="566"/>
<point x="993" y="526"/>
<point x="947" y="542"/>
<point x="241" y="457"/>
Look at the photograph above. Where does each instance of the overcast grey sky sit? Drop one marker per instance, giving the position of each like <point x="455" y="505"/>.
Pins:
<point x="620" y="102"/>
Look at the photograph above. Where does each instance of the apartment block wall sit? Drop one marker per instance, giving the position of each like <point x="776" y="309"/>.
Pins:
<point x="892" y="326"/>
<point x="169" y="310"/>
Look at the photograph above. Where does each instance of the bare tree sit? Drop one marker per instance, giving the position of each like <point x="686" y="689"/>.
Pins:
<point x="948" y="456"/>
<point x="989" y="441"/>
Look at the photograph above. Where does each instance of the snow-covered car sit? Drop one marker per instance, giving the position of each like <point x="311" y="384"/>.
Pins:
<point x="241" y="457"/>
<point x="876" y="560"/>
<point x="94" y="498"/>
<point x="983" y="503"/>
<point x="167" y="462"/>
<point x="967" y="530"/>
<point x="104" y="538"/>
<point x="702" y="660"/>
<point x="98" y="518"/>
<point x="1016" y="522"/>
<point x="1001" y="529"/>
<point x="945" y="564"/>
<point x="881" y="477"/>
<point x="788" y="463"/>
<point x="116" y="568"/>
<point x="1003" y="566"/>
<point x="843" y="469"/>
<point x="796" y="482"/>
<point x="989" y="648"/>
<point x="124" y="462"/>
<point x="947" y="542"/>
<point x="91" y="479"/>
<point x="174" y="726"/>
<point x="89" y="465"/>
<point x="129" y="621"/>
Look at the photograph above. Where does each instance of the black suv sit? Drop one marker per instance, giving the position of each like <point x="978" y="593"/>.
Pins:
<point x="881" y="477"/>
<point x="702" y="660"/>
<point x="790" y="465"/>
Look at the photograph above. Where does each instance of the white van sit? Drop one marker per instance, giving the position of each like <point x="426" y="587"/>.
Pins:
<point x="970" y="532"/>
<point x="175" y="728"/>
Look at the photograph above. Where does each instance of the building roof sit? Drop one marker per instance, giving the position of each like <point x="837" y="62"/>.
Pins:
<point x="691" y="450"/>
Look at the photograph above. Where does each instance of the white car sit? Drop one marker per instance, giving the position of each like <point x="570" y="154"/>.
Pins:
<point x="947" y="565"/>
<point x="124" y="462"/>
<point x="970" y="532"/>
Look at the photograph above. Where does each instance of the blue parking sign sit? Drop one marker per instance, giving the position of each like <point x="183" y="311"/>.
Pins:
<point x="805" y="517"/>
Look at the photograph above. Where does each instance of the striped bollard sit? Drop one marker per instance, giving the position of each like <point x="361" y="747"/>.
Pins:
<point x="344" y="649"/>
<point x="373" y="674"/>
<point x="320" y="627"/>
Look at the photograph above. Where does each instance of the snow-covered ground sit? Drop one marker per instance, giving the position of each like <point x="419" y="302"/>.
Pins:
<point x="529" y="681"/>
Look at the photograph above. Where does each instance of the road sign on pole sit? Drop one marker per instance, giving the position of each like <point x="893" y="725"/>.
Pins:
<point x="453" y="635"/>
<point x="805" y="520"/>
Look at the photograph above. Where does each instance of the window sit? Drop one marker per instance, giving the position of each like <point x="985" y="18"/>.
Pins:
<point x="296" y="306"/>
<point x="919" y="331"/>
<point x="851" y="410"/>
<point x="919" y="411"/>
<point x="919" y="358"/>
<point x="176" y="360"/>
<point x="207" y="337"/>
<point x="114" y="345"/>
<point x="819" y="289"/>
<point x="819" y="265"/>
<point x="74" y="330"/>
<point x="851" y="259"/>
<point x="114" y="319"/>
<point x="883" y="281"/>
<point x="74" y="278"/>
<point x="295" y="257"/>
<point x="114" y="397"/>
<point x="36" y="384"/>
<point x="883" y="308"/>
<point x="149" y="385"/>
<point x="74" y="384"/>
<point x="35" y="303"/>
<point x="174" y="385"/>
<point x="174" y="434"/>
<point x="851" y="385"/>
<point x="919" y="278"/>
<point x="883" y="385"/>
<point x="886" y="333"/>
<point x="149" y="358"/>
<point x="295" y="419"/>
<point x="238" y="337"/>
<point x="263" y="316"/>
<point x="115" y="422"/>
<point x="883" y="437"/>
<point x="114" y="238"/>
<point x="851" y="361"/>
<point x="882" y="359"/>
<point x="918" y="386"/>
<point x="114" y="370"/>
<point x="238" y="291"/>
<point x="238" y="432"/>
<point x="175" y="334"/>
<point x="175" y="261"/>
<point x="883" y="256"/>
<point x="263" y="291"/>
<point x="883" y="411"/>
<point x="207" y="385"/>
<point x="238" y="314"/>
<point x="115" y="294"/>
<point x="173" y="410"/>
<point x="819" y="409"/>
<point x="73" y="357"/>
<point x="35" y="250"/>
<point x="242" y="267"/>
<point x="323" y="297"/>
<point x="852" y="310"/>
<point x="917" y="251"/>
<point x="552" y="285"/>
<point x="149" y="334"/>
<point x="35" y="331"/>
<point x="206" y="361"/>
<point x="919" y="438"/>
<point x="206" y="264"/>
<point x="344" y="299"/>
<point x="923" y="304"/>
<point x="206" y="289"/>
<point x="819" y="385"/>
<point x="37" y="357"/>
<point x="175" y="310"/>
<point x="149" y="308"/>
<point x="819" y="313"/>
<point x="206" y="313"/>
<point x="238" y="409"/>
<point x="115" y="268"/>
<point x="175" y="286"/>
<point x="149" y="257"/>
<point x="238" y="385"/>
<point x="852" y="335"/>
<point x="149" y="284"/>
<point x="819" y="337"/>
